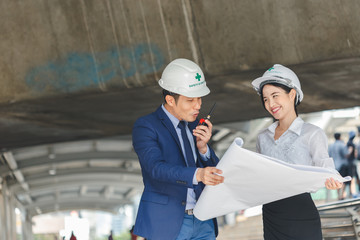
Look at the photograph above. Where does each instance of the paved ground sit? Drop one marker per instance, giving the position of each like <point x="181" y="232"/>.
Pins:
<point x="245" y="229"/>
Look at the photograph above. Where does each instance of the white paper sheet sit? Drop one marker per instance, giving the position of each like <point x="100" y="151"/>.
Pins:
<point x="252" y="179"/>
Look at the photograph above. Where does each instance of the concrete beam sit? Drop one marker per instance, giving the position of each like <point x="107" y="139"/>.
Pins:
<point x="83" y="156"/>
<point x="87" y="203"/>
<point x="78" y="178"/>
<point x="104" y="59"/>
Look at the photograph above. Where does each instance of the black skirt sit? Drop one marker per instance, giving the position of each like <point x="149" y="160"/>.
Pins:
<point x="293" y="218"/>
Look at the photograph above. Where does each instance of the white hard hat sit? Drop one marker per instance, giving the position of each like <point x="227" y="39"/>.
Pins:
<point x="184" y="77"/>
<point x="282" y="75"/>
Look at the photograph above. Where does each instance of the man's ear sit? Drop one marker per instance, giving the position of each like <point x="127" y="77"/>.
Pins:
<point x="170" y="100"/>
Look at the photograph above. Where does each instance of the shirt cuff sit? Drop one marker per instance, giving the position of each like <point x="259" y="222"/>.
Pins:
<point x="195" y="182"/>
<point x="205" y="156"/>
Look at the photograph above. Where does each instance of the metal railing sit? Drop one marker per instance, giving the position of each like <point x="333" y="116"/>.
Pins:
<point x="340" y="220"/>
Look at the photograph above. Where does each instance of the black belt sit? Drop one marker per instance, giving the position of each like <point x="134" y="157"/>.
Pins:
<point x="189" y="211"/>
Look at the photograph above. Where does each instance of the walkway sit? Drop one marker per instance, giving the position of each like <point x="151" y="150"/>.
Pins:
<point x="245" y="229"/>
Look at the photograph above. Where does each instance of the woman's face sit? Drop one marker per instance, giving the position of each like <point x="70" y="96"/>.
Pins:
<point x="278" y="102"/>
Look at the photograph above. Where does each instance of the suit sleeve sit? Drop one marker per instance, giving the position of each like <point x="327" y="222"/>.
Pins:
<point x="213" y="161"/>
<point x="153" y="164"/>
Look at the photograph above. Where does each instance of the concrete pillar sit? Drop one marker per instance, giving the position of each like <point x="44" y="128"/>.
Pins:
<point x="6" y="211"/>
<point x="2" y="214"/>
<point x="26" y="224"/>
<point x="8" y="203"/>
<point x="10" y="220"/>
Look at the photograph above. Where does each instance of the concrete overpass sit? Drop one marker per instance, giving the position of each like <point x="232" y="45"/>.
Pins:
<point x="74" y="76"/>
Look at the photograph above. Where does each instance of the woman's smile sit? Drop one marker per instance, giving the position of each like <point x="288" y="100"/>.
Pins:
<point x="275" y="110"/>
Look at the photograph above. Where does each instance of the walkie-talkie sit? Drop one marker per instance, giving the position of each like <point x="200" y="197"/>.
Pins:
<point x="202" y="120"/>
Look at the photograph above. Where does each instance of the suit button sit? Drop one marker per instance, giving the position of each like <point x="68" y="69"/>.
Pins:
<point x="183" y="203"/>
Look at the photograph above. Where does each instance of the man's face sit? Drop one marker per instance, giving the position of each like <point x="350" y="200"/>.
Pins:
<point x="185" y="108"/>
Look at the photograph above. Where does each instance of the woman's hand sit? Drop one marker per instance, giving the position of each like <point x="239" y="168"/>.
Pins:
<point x="332" y="184"/>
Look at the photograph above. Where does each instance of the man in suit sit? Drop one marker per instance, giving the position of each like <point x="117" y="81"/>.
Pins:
<point x="176" y="161"/>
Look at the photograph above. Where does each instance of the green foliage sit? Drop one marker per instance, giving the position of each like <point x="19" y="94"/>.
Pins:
<point x="123" y="236"/>
<point x="44" y="236"/>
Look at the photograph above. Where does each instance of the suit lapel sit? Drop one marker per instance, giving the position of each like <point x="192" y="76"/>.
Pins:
<point x="168" y="124"/>
<point x="199" y="162"/>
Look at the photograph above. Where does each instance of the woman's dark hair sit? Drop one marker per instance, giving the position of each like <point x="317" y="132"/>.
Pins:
<point x="285" y="88"/>
<point x="166" y="92"/>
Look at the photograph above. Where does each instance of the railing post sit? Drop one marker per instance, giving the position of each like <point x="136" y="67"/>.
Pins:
<point x="355" y="220"/>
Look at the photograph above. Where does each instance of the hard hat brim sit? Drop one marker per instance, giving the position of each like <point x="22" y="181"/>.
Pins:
<point x="258" y="82"/>
<point x="192" y="94"/>
<point x="199" y="93"/>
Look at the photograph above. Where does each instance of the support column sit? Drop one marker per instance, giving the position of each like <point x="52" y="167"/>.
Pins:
<point x="27" y="226"/>
<point x="2" y="213"/>
<point x="6" y="211"/>
<point x="10" y="220"/>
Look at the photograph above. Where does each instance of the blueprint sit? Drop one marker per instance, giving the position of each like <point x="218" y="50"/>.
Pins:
<point x="252" y="179"/>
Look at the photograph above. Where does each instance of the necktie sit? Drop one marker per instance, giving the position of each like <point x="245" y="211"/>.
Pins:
<point x="188" y="151"/>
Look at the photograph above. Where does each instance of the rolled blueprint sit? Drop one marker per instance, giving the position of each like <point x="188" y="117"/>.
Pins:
<point x="252" y="179"/>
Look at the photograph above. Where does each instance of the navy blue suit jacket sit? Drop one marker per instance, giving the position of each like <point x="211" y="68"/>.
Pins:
<point x="166" y="176"/>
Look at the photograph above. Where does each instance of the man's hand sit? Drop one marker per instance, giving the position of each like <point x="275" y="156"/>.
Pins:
<point x="208" y="177"/>
<point x="203" y="134"/>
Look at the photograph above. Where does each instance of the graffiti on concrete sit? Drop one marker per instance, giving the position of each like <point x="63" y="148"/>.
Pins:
<point x="79" y="70"/>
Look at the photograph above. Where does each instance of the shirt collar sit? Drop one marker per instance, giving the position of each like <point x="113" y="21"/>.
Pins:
<point x="295" y="126"/>
<point x="172" y="118"/>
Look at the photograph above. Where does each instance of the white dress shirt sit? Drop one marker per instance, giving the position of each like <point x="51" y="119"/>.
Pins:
<point x="191" y="197"/>
<point x="303" y="144"/>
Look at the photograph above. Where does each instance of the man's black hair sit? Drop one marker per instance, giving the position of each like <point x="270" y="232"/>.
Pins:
<point x="166" y="92"/>
<point x="337" y="136"/>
